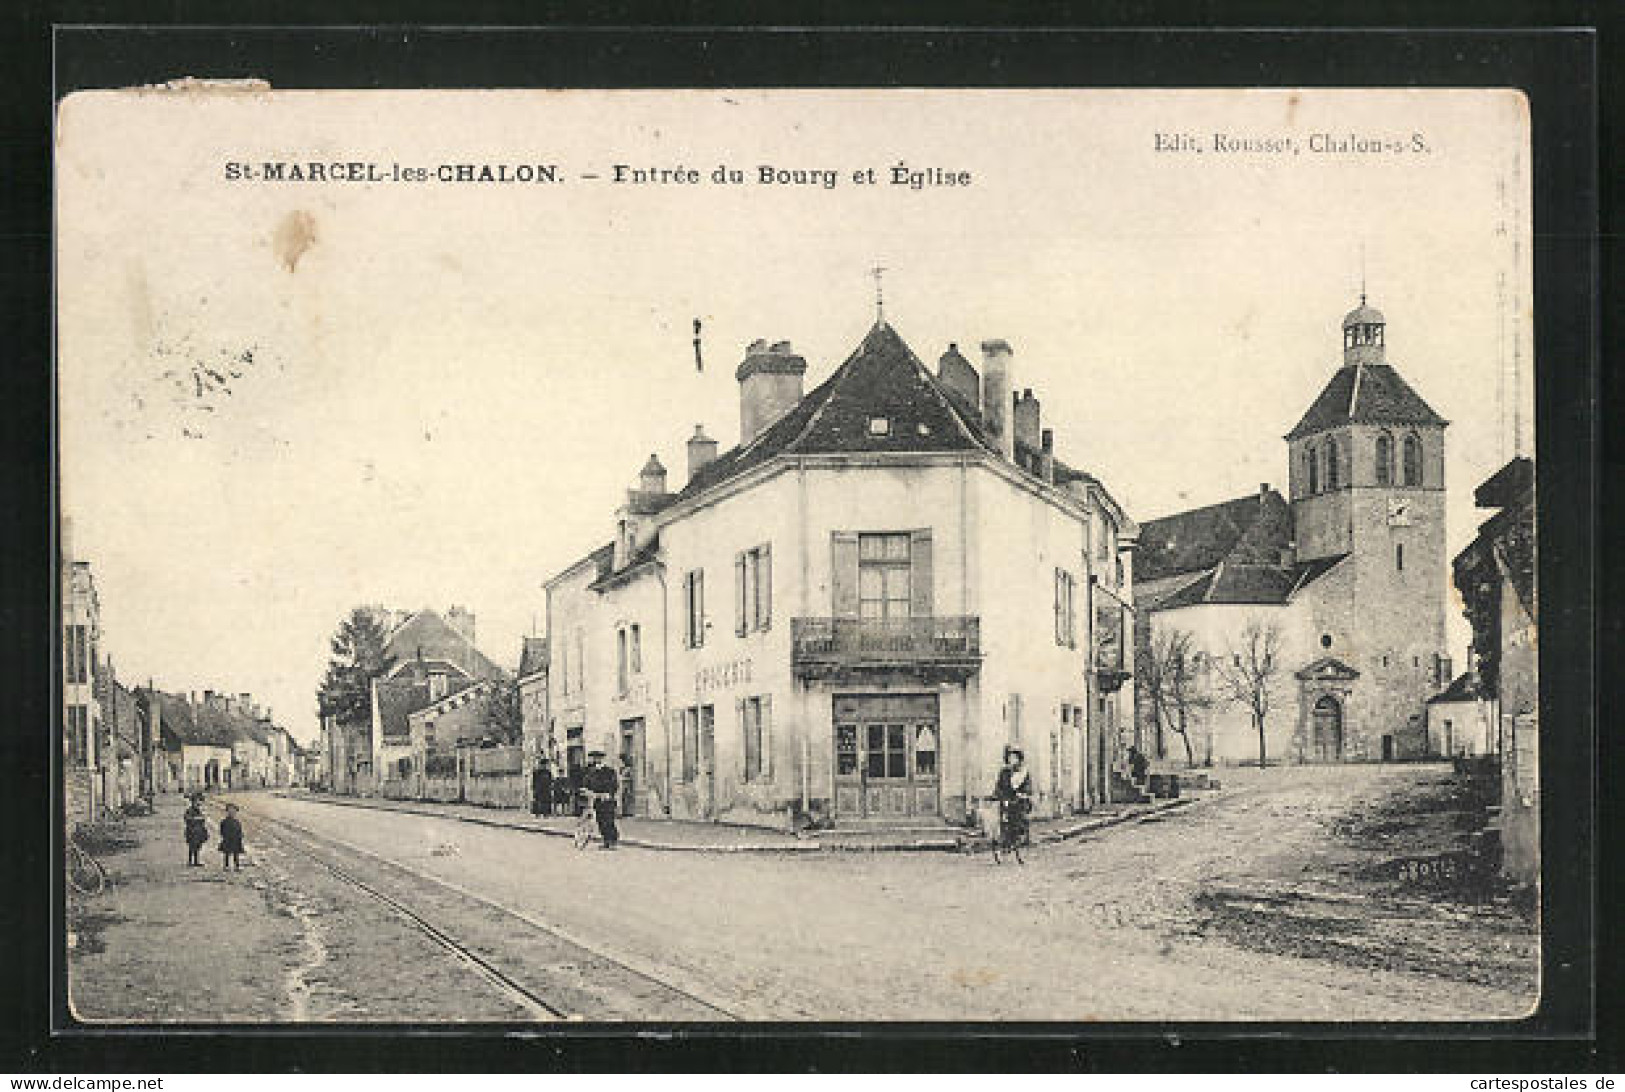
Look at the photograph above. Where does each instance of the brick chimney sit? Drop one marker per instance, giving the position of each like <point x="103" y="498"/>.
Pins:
<point x="769" y="386"/>
<point x="961" y="379"/>
<point x="1026" y="418"/>
<point x="996" y="404"/>
<point x="701" y="450"/>
<point x="1046" y="456"/>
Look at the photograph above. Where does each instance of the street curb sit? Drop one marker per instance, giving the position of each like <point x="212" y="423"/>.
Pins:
<point x="801" y="846"/>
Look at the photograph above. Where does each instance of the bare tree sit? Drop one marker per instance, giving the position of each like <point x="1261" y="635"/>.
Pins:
<point x="1247" y="672"/>
<point x="1166" y="669"/>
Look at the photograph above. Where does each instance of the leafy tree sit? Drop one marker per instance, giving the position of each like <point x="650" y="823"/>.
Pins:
<point x="500" y="711"/>
<point x="1247" y="674"/>
<point x="1169" y="681"/>
<point x="358" y="658"/>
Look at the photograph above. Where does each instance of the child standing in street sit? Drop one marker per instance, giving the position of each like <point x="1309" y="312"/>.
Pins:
<point x="197" y="832"/>
<point x="231" y="840"/>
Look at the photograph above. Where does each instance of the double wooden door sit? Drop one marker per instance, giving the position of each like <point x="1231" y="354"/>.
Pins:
<point x="887" y="754"/>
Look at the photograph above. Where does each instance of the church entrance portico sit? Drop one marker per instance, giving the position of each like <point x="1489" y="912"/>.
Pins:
<point x="1324" y="690"/>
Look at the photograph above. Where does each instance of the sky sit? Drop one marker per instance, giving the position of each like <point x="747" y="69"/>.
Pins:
<point x="280" y="400"/>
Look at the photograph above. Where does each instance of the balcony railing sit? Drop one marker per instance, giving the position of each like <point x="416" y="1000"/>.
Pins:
<point x="858" y="642"/>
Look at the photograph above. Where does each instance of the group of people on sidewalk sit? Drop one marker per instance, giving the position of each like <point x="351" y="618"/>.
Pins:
<point x="599" y="792"/>
<point x="197" y="835"/>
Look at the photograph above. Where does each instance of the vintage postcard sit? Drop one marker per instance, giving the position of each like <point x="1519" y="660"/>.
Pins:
<point x="797" y="555"/>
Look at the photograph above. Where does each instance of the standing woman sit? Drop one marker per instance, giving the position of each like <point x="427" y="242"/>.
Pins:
<point x="1014" y="792"/>
<point x="197" y="830"/>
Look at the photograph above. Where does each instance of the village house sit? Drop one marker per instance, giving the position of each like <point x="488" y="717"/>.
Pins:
<point x="845" y="618"/>
<point x="1461" y="720"/>
<point x="1495" y="575"/>
<point x="1348" y="572"/>
<point x="84" y="788"/>
<point x="532" y="682"/>
<point x="431" y="656"/>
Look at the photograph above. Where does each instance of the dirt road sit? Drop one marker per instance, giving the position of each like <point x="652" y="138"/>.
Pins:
<point x="1121" y="925"/>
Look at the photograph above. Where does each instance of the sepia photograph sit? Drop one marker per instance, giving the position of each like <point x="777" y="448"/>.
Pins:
<point x="806" y="556"/>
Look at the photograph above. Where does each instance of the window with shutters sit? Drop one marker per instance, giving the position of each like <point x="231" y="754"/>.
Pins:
<point x="622" y="661"/>
<point x="753" y="590"/>
<point x="755" y="715"/>
<point x="76" y="654"/>
<point x="690" y="765"/>
<point x="1066" y="625"/>
<point x="694" y="608"/>
<point x="885" y="588"/>
<point x="78" y="733"/>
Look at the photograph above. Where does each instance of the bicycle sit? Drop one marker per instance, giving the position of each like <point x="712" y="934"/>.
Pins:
<point x="587" y="822"/>
<point x="85" y="873"/>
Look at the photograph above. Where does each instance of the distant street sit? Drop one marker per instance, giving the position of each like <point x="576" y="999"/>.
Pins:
<point x="1264" y="902"/>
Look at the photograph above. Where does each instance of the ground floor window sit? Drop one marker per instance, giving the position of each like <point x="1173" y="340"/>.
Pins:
<point x="755" y="717"/>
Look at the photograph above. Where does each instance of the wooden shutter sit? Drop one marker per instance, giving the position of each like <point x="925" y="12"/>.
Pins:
<point x="1060" y="593"/>
<point x="764" y="589"/>
<point x="920" y="578"/>
<point x="843" y="574"/>
<point x="699" y="610"/>
<point x="741" y="574"/>
<point x="746" y="747"/>
<point x="766" y="717"/>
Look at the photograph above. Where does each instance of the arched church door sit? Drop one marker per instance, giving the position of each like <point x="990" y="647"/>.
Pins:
<point x="1328" y="716"/>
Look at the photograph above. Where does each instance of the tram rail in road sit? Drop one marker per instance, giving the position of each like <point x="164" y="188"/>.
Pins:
<point x="551" y="975"/>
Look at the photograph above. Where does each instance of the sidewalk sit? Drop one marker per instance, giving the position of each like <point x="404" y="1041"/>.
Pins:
<point x="164" y="942"/>
<point x="686" y="836"/>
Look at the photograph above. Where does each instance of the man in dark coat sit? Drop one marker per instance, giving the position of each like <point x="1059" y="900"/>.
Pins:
<point x="541" y="788"/>
<point x="231" y="839"/>
<point x="600" y="780"/>
<point x="197" y="831"/>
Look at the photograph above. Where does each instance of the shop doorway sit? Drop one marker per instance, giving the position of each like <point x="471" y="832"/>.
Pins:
<point x="887" y="756"/>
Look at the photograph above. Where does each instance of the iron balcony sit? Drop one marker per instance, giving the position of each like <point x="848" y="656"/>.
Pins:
<point x="934" y="646"/>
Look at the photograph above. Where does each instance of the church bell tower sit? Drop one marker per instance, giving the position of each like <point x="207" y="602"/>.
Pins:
<point x="1366" y="483"/>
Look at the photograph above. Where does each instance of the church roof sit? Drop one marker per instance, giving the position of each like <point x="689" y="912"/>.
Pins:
<point x="1367" y="394"/>
<point x="1250" y="583"/>
<point x="1255" y="529"/>
<point x="882" y="378"/>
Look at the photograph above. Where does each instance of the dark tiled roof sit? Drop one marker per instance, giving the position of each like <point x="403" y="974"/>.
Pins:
<point x="641" y="502"/>
<point x="397" y="698"/>
<point x="427" y="635"/>
<point x="1254" y="529"/>
<point x="882" y="378"/>
<point x="1384" y="399"/>
<point x="1512" y="485"/>
<point x="1462" y="688"/>
<point x="532" y="656"/>
<point x="1231" y="582"/>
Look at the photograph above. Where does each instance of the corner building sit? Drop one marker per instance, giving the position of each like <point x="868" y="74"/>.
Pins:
<point x="845" y="618"/>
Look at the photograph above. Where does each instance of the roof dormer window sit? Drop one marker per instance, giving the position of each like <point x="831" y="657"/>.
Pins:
<point x="880" y="426"/>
